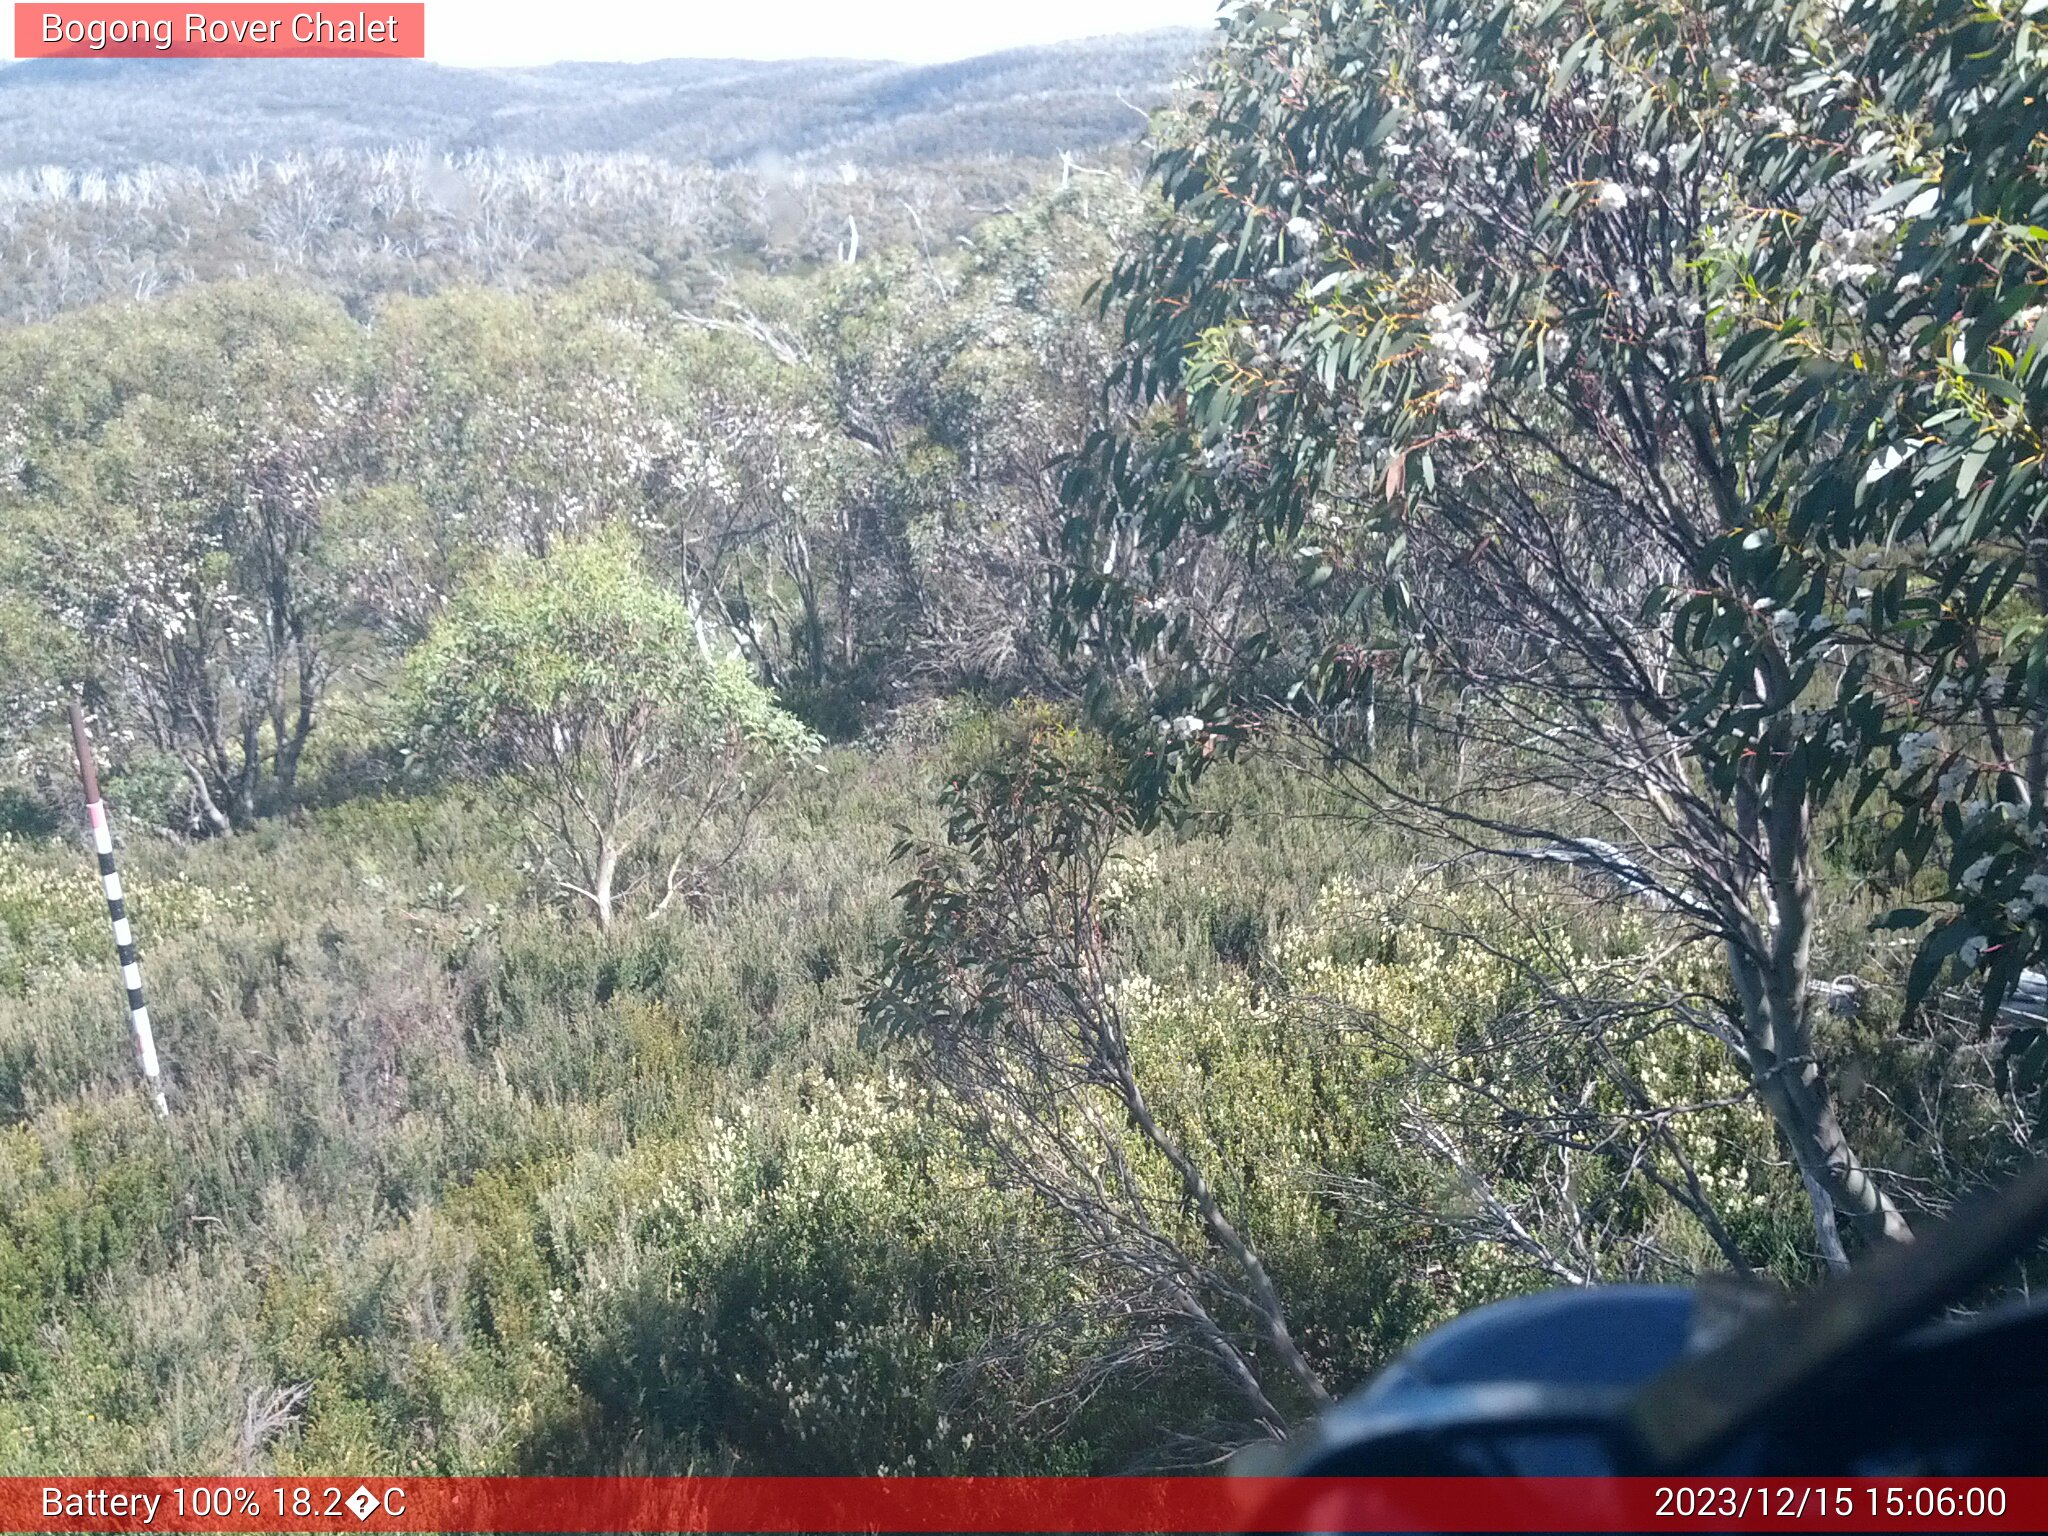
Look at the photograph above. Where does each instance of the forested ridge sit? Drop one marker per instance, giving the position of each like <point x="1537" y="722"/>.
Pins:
<point x="1016" y="814"/>
<point x="122" y="115"/>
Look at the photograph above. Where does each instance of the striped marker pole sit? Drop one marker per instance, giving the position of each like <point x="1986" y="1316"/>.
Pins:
<point x="124" y="937"/>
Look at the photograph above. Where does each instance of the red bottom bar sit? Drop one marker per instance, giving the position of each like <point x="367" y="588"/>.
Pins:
<point x="1021" y="1504"/>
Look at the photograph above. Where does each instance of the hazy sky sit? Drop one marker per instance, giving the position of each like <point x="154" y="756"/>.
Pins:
<point x="920" y="31"/>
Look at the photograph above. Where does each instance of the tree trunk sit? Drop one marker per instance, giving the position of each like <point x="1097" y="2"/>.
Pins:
<point x="847" y="625"/>
<point x="813" y="620"/>
<point x="2037" y="725"/>
<point x="1458" y="732"/>
<point x="1262" y="1296"/>
<point x="1797" y="1095"/>
<point x="208" y="807"/>
<point x="292" y="736"/>
<point x="1771" y="969"/>
<point x="601" y="887"/>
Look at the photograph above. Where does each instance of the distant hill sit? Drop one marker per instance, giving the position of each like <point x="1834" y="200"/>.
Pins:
<point x="1032" y="102"/>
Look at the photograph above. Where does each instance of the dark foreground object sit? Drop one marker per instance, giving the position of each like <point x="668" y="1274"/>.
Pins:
<point x="1862" y="1377"/>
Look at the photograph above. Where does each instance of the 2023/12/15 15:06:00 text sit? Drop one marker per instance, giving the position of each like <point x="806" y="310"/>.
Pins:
<point x="1819" y="1501"/>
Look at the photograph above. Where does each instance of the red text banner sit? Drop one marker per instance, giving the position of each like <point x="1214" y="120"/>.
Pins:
<point x="996" y="1504"/>
<point x="236" y="31"/>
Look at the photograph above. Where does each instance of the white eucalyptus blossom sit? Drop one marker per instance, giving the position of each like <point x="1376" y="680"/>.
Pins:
<point x="1612" y="196"/>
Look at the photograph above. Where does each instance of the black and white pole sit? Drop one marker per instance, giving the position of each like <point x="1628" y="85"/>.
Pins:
<point x="117" y="909"/>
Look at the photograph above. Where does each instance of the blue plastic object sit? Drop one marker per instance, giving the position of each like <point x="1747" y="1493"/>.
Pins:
<point x="1532" y="1387"/>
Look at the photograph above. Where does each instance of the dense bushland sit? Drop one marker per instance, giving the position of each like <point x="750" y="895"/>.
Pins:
<point x="457" y="1184"/>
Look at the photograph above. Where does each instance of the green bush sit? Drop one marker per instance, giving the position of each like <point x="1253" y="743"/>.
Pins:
<point x="803" y="1292"/>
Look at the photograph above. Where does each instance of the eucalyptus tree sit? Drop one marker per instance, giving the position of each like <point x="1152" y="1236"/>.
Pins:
<point x="171" y="474"/>
<point x="1004" y="979"/>
<point x="1936" y="502"/>
<point x="1009" y="368"/>
<point x="751" y="510"/>
<point x="517" y="421"/>
<point x="864" y="480"/>
<point x="581" y="681"/>
<point x="1512" y="348"/>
